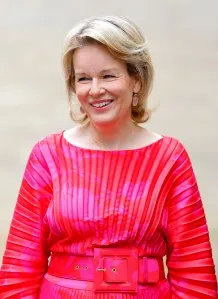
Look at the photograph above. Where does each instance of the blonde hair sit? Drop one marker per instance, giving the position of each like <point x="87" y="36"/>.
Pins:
<point x="125" y="42"/>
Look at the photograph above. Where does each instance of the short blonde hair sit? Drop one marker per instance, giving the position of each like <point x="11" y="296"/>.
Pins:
<point x="125" y="42"/>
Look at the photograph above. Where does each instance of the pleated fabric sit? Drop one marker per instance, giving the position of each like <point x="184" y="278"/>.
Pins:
<point x="73" y="199"/>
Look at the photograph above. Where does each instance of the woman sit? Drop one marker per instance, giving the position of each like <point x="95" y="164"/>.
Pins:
<point x="107" y="200"/>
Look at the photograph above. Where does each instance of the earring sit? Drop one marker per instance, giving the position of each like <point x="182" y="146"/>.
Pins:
<point x="82" y="110"/>
<point x="135" y="100"/>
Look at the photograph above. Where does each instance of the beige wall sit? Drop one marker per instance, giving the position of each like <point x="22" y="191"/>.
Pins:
<point x="183" y="39"/>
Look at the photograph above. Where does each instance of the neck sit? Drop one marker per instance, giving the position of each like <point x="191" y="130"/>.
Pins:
<point x="112" y="137"/>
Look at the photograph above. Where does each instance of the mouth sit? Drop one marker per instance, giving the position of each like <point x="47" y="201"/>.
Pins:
<point x="101" y="104"/>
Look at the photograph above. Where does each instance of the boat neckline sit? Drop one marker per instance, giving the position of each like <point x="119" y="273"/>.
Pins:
<point x="110" y="150"/>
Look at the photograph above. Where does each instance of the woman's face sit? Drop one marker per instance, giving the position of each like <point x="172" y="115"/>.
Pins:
<point x="102" y="85"/>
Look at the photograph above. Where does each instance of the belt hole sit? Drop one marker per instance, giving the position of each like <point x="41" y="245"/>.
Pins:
<point x="101" y="269"/>
<point x="114" y="269"/>
<point x="86" y="267"/>
<point x="77" y="267"/>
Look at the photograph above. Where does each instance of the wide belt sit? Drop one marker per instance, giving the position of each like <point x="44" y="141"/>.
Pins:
<point x="111" y="269"/>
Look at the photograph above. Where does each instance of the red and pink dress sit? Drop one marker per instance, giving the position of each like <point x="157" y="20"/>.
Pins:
<point x="73" y="200"/>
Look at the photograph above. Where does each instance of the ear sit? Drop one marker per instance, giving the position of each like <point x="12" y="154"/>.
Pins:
<point x="137" y="85"/>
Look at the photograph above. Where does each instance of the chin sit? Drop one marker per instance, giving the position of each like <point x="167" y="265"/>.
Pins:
<point x="103" y="120"/>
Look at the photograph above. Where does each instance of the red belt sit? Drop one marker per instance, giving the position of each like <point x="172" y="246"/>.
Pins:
<point x="111" y="269"/>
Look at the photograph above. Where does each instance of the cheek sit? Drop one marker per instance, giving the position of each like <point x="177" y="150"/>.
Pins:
<point x="120" y="89"/>
<point x="82" y="92"/>
<point x="125" y="93"/>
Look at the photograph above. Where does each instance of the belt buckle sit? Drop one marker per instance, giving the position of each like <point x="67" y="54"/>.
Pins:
<point x="151" y="270"/>
<point x="116" y="270"/>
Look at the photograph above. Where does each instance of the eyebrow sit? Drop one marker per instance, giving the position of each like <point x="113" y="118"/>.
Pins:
<point x="102" y="72"/>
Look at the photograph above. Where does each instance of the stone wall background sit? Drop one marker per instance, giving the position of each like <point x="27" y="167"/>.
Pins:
<point x="183" y="39"/>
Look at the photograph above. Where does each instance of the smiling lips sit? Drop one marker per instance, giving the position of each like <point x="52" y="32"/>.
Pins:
<point x="101" y="104"/>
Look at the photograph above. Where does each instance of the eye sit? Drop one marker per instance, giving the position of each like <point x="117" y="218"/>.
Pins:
<point x="83" y="79"/>
<point x="108" y="76"/>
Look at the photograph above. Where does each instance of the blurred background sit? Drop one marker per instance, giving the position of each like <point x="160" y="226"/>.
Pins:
<point x="183" y="39"/>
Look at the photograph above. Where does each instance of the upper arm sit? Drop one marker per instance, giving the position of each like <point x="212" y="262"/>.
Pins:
<point x="26" y="255"/>
<point x="190" y="264"/>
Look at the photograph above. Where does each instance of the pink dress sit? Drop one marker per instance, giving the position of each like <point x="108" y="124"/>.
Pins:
<point x="73" y="199"/>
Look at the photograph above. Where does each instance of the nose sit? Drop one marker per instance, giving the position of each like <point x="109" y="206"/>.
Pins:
<point x="96" y="88"/>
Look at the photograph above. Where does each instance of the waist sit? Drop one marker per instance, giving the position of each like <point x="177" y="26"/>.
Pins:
<point x="110" y="269"/>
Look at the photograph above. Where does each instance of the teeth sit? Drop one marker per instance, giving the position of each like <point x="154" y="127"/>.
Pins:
<point x="101" y="104"/>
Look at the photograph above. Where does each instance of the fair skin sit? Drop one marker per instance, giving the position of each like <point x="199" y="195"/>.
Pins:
<point x="105" y="90"/>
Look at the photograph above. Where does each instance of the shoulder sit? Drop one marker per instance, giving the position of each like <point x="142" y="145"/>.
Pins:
<point x="47" y="146"/>
<point x="49" y="141"/>
<point x="173" y="144"/>
<point x="44" y="154"/>
<point x="178" y="156"/>
<point x="173" y="151"/>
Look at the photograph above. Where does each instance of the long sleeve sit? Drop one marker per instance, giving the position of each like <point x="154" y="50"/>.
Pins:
<point x="26" y="256"/>
<point x="191" y="270"/>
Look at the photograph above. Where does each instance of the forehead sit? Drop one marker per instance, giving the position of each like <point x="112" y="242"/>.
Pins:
<point x="95" y="58"/>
